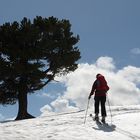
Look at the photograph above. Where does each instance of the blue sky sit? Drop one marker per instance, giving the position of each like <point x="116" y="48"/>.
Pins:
<point x="106" y="28"/>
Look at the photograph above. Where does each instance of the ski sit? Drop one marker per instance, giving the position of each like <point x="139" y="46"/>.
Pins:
<point x="103" y="125"/>
<point x="98" y="121"/>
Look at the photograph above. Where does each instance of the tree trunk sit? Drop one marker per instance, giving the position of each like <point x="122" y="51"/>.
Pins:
<point x="22" y="110"/>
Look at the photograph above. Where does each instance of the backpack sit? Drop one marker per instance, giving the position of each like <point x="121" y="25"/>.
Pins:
<point x="101" y="84"/>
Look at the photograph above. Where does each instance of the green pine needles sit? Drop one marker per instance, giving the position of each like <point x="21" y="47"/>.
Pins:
<point x="32" y="53"/>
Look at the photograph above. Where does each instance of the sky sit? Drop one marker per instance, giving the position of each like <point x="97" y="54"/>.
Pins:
<point x="109" y="43"/>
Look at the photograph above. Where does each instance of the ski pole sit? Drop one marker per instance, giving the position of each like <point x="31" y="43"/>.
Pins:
<point x="109" y="109"/>
<point x="86" y="111"/>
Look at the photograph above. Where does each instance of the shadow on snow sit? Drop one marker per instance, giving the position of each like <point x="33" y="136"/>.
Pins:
<point x="105" y="127"/>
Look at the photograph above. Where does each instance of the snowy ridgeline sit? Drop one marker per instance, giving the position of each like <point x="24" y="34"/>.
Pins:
<point x="125" y="125"/>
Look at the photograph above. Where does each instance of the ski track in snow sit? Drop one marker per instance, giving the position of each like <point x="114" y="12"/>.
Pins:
<point x="70" y="126"/>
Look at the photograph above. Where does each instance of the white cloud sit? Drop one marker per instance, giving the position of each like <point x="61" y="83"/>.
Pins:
<point x="62" y="105"/>
<point x="59" y="105"/>
<point x="131" y="74"/>
<point x="46" y="110"/>
<point x="106" y="63"/>
<point x="123" y="85"/>
<point x="135" y="51"/>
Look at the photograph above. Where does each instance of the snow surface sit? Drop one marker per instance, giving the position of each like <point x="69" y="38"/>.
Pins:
<point x="125" y="125"/>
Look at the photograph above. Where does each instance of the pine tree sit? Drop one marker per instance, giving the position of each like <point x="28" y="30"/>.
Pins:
<point x="31" y="55"/>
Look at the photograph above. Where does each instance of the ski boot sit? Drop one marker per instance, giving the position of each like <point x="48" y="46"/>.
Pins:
<point x="96" y="118"/>
<point x="103" y="119"/>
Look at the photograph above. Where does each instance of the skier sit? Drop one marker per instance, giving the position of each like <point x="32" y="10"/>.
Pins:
<point x="100" y="89"/>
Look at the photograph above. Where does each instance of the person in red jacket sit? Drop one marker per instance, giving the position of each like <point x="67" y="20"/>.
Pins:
<point x="100" y="89"/>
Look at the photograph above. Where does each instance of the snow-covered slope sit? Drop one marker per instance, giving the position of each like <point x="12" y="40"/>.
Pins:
<point x="70" y="126"/>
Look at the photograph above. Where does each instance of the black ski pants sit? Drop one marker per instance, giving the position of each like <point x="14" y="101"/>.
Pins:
<point x="100" y="100"/>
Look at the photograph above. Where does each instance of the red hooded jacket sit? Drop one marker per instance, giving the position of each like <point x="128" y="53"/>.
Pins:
<point x="100" y="86"/>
